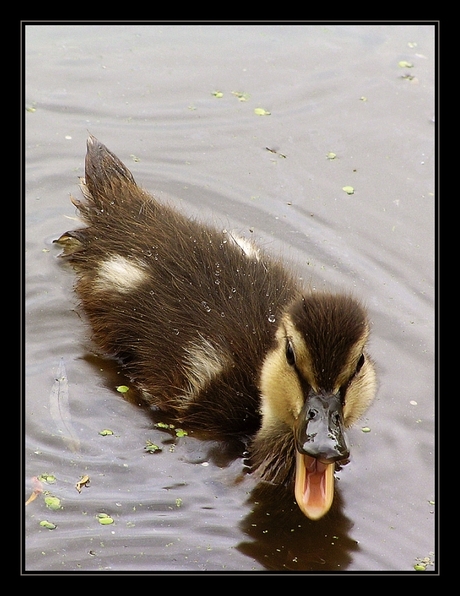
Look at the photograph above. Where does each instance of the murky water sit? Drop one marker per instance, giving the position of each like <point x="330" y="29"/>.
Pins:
<point x="148" y="93"/>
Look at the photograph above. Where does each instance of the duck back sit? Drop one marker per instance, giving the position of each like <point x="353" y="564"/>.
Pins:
<point x="188" y="309"/>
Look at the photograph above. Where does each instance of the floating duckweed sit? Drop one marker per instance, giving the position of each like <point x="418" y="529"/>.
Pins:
<point x="366" y="429"/>
<point x="151" y="447"/>
<point x="405" y="64"/>
<point x="178" y="502"/>
<point x="104" y="519"/>
<point x="46" y="524"/>
<point x="53" y="503"/>
<point x="261" y="112"/>
<point x="48" y="478"/>
<point x="331" y="155"/>
<point x="423" y="562"/>
<point x="241" y="96"/>
<point x="348" y="189"/>
<point x="217" y="94"/>
<point x="164" y="425"/>
<point x="122" y="388"/>
<point x="181" y="433"/>
<point x="106" y="432"/>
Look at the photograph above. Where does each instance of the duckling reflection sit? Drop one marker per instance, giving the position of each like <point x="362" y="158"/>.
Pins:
<point x="217" y="334"/>
<point x="279" y="537"/>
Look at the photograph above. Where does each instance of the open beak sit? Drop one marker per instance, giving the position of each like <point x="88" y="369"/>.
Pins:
<point x="320" y="442"/>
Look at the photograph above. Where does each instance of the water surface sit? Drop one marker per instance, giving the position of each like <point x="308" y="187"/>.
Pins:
<point x="149" y="93"/>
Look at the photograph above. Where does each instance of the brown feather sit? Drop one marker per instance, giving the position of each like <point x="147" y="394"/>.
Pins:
<point x="193" y="314"/>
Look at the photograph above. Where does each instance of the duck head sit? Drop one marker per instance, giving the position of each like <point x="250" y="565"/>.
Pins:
<point x="315" y="381"/>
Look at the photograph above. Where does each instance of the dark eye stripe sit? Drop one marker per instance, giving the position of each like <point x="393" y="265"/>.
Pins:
<point x="343" y="389"/>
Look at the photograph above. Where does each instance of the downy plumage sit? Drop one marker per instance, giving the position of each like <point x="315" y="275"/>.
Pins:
<point x="213" y="331"/>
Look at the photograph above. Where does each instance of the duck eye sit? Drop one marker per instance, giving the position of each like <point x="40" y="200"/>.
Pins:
<point x="290" y="356"/>
<point x="360" y="363"/>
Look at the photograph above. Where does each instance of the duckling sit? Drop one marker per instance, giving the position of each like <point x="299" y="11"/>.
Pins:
<point x="219" y="335"/>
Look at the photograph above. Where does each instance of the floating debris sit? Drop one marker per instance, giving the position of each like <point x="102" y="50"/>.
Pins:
<point x="275" y="152"/>
<point x="422" y="563"/>
<point x="84" y="481"/>
<point x="38" y="489"/>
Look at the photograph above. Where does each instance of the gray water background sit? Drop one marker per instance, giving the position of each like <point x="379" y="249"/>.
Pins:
<point x="149" y="93"/>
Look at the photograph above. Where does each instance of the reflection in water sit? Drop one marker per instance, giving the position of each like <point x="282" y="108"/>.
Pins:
<point x="219" y="453"/>
<point x="280" y="537"/>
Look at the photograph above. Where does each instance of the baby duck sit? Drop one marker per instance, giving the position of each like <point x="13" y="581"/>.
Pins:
<point x="216" y="333"/>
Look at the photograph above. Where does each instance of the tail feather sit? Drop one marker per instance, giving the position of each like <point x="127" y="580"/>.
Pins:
<point x="103" y="168"/>
<point x="113" y="203"/>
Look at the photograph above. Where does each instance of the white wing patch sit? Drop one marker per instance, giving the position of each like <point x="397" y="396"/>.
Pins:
<point x="120" y="274"/>
<point x="203" y="363"/>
